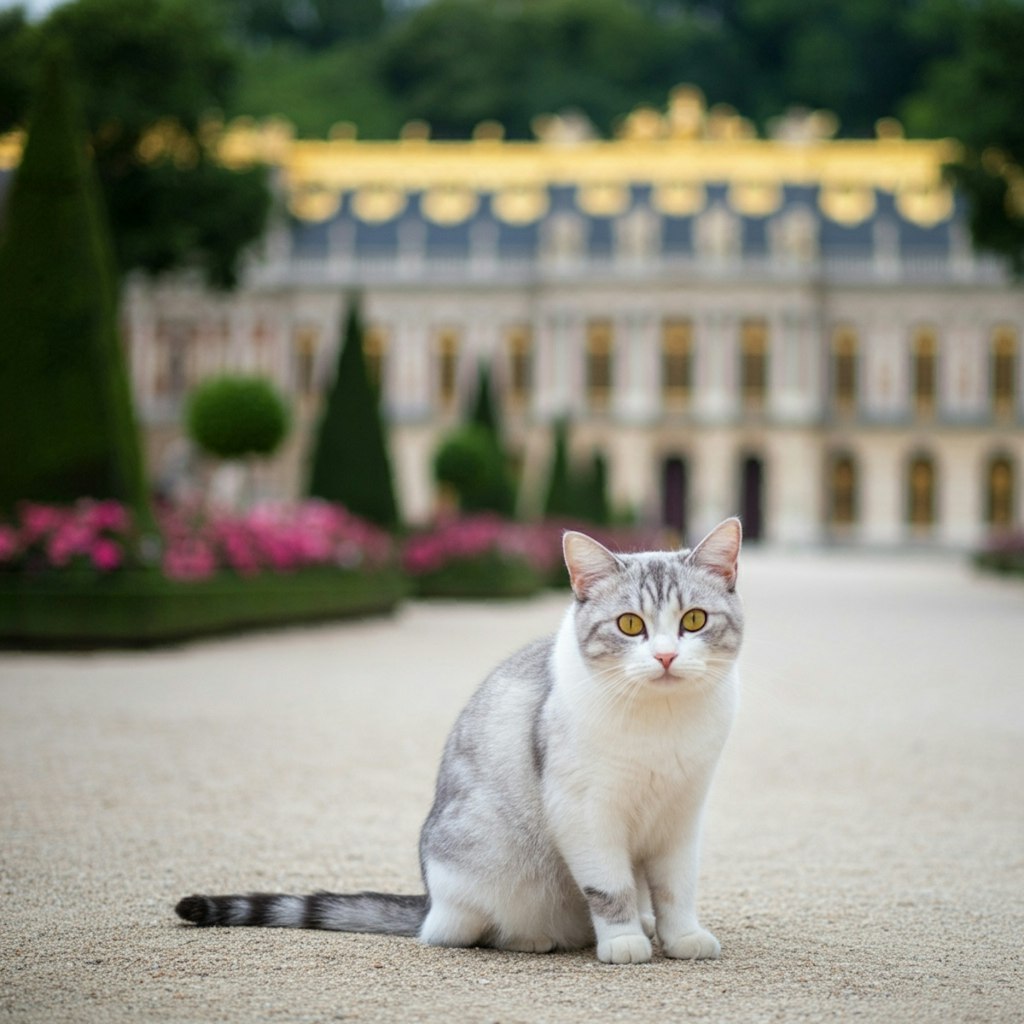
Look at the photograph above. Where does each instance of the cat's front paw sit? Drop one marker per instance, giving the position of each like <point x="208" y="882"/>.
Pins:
<point x="698" y="945"/>
<point x="625" y="949"/>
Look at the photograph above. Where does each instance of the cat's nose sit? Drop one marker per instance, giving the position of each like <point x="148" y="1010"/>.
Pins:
<point x="666" y="659"/>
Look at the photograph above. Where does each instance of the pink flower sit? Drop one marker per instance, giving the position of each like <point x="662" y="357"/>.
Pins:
<point x="8" y="543"/>
<point x="105" y="554"/>
<point x="104" y="515"/>
<point x="189" y="560"/>
<point x="39" y="520"/>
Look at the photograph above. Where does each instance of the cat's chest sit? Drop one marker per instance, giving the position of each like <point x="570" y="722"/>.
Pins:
<point x="646" y="765"/>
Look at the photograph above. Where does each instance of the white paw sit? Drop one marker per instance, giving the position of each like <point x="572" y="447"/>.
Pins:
<point x="698" y="945"/>
<point x="647" y="920"/>
<point x="625" y="949"/>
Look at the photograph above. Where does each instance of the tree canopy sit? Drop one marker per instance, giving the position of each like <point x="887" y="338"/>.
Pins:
<point x="153" y="70"/>
<point x="150" y="72"/>
<point x="977" y="97"/>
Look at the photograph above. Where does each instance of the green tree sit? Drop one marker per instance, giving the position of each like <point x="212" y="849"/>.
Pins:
<point x="151" y="71"/>
<point x="560" y="497"/>
<point x="858" y="60"/>
<point x="312" y="24"/>
<point x="315" y="90"/>
<point x="69" y="427"/>
<point x="473" y="466"/>
<point x="484" y="413"/>
<point x="231" y="417"/>
<point x="15" y="66"/>
<point x="594" y="485"/>
<point x="977" y="96"/>
<point x="458" y="62"/>
<point x="350" y="462"/>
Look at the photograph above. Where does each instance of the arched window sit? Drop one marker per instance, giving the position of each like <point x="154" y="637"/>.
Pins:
<point x="1004" y="371"/>
<point x="752" y="495"/>
<point x="1000" y="496"/>
<point x="842" y="506"/>
<point x="519" y="347"/>
<point x="375" y="343"/>
<point x="924" y="376"/>
<point x="447" y="351"/>
<point x="921" y="503"/>
<point x="674" y="495"/>
<point x="305" y="344"/>
<point x="676" y="361"/>
<point x="754" y="362"/>
<point x="599" y="362"/>
<point x="844" y="369"/>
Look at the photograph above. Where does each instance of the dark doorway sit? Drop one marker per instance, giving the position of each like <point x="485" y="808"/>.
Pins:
<point x="674" y="496"/>
<point x="752" y="497"/>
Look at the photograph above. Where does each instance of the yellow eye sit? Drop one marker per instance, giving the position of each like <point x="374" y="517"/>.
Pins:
<point x="694" y="619"/>
<point x="630" y="624"/>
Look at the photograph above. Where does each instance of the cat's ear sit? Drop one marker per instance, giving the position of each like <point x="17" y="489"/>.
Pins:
<point x="587" y="562"/>
<point x="719" y="551"/>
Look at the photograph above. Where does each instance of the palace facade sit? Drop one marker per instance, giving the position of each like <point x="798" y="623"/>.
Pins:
<point x="795" y="329"/>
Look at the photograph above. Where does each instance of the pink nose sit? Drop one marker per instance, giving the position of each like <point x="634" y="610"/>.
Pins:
<point x="666" y="659"/>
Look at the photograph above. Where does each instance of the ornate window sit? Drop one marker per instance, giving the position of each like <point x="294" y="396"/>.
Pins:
<point x="844" y="369"/>
<point x="754" y="362"/>
<point x="999" y="493"/>
<point x="676" y="361"/>
<point x="924" y="377"/>
<point x="843" y="490"/>
<point x="921" y="492"/>
<point x="375" y="346"/>
<point x="305" y="344"/>
<point x="1004" y="371"/>
<point x="447" y="349"/>
<point x="519" y="350"/>
<point x="599" y="363"/>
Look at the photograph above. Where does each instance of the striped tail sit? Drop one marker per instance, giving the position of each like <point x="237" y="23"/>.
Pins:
<point x="356" y="912"/>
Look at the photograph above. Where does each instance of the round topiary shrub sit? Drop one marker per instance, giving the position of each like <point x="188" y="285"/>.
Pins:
<point x="231" y="417"/>
<point x="470" y="462"/>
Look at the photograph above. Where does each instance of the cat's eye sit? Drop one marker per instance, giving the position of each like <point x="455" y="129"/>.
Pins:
<point x="694" y="619"/>
<point x="630" y="624"/>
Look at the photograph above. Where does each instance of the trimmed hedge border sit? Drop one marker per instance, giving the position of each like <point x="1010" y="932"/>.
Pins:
<point x="1005" y="562"/>
<point x="140" y="608"/>
<point x="482" y="577"/>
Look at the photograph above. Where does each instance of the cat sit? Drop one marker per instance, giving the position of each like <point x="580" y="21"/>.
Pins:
<point x="570" y="794"/>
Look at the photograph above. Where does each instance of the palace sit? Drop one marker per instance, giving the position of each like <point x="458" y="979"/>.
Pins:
<point x="795" y="329"/>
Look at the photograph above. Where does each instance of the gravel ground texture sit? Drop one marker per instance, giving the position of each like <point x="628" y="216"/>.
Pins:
<point x="863" y="858"/>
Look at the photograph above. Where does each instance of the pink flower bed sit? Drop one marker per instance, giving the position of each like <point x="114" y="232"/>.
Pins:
<point x="192" y="544"/>
<point x="461" y="539"/>
<point x="96" y="533"/>
<point x="274" y="538"/>
<point x="539" y="544"/>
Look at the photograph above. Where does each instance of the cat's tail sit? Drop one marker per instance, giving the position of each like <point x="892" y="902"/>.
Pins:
<point x="340" y="912"/>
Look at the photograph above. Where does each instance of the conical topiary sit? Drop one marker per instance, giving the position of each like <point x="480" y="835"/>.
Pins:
<point x="69" y="430"/>
<point x="350" y="463"/>
<point x="559" y="502"/>
<point x="484" y="414"/>
<point x="490" y="485"/>
<point x="595" y="492"/>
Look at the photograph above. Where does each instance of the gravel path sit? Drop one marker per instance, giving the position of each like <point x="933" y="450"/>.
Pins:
<point x="864" y="857"/>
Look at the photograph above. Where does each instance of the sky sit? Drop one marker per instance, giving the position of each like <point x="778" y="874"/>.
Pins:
<point x="35" y="8"/>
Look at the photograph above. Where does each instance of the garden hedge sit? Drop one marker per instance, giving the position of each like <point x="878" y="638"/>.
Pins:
<point x="484" y="576"/>
<point x="138" y="608"/>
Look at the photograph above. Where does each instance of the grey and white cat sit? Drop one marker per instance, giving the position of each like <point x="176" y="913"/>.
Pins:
<point x="570" y="795"/>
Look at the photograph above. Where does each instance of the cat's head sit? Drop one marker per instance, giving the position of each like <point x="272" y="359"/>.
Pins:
<point x="663" y="618"/>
